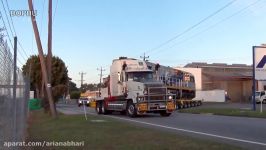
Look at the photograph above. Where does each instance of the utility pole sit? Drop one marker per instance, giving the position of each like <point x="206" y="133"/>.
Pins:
<point x="49" y="54"/>
<point x="43" y="65"/>
<point x="144" y="57"/>
<point x="101" y="74"/>
<point x="81" y="80"/>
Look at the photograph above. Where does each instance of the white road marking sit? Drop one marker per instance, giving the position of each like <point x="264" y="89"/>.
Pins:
<point x="191" y="131"/>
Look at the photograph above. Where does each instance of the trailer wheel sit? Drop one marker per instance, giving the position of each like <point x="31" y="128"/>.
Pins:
<point x="199" y="103"/>
<point x="98" y="108"/>
<point x="164" y="113"/>
<point x="131" y="110"/>
<point x="185" y="105"/>
<point x="188" y="105"/>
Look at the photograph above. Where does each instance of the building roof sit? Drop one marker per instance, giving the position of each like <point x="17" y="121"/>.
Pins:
<point x="216" y="65"/>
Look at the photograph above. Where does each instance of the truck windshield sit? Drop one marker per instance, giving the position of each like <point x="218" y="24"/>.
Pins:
<point x="139" y="76"/>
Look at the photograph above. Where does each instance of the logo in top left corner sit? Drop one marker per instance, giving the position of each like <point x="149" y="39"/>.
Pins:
<point x="22" y="13"/>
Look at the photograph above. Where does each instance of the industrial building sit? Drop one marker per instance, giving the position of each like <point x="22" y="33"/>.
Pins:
<point x="235" y="79"/>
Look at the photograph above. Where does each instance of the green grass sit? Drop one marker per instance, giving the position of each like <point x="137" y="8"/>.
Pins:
<point x="226" y="112"/>
<point x="110" y="135"/>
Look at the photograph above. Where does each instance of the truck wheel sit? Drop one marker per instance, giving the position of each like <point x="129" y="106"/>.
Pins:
<point x="131" y="110"/>
<point x="104" y="110"/>
<point x="164" y="114"/>
<point x="98" y="108"/>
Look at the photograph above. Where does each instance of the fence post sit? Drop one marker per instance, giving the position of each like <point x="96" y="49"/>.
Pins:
<point x="15" y="90"/>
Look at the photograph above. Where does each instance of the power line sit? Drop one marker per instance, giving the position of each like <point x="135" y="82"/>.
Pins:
<point x="22" y="56"/>
<point x="7" y="18"/>
<point x="193" y="26"/>
<point x="11" y="18"/>
<point x="13" y="33"/>
<point x="5" y="28"/>
<point x="42" y="15"/>
<point x="212" y="26"/>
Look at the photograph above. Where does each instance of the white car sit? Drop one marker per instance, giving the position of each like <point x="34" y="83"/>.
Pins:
<point x="84" y="101"/>
<point x="260" y="96"/>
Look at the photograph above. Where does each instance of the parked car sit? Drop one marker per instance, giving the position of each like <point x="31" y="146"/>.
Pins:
<point x="260" y="97"/>
<point x="84" y="101"/>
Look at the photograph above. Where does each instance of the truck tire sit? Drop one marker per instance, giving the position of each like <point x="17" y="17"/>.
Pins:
<point x="164" y="113"/>
<point x="131" y="110"/>
<point x="104" y="109"/>
<point x="98" y="108"/>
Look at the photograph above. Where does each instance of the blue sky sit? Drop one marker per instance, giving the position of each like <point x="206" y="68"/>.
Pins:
<point x="88" y="34"/>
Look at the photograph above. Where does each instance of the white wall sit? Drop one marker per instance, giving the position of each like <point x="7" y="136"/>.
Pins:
<point x="211" y="96"/>
<point x="197" y="72"/>
<point x="261" y="85"/>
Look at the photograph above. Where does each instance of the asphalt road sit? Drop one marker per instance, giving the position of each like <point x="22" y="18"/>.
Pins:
<point x="249" y="133"/>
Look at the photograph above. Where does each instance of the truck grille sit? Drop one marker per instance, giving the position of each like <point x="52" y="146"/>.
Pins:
<point x="155" y="93"/>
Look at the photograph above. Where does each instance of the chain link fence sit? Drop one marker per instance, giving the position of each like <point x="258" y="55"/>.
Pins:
<point x="13" y="110"/>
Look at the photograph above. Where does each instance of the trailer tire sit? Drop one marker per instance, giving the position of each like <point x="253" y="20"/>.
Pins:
<point x="131" y="110"/>
<point x="98" y="108"/>
<point x="199" y="103"/>
<point x="164" y="113"/>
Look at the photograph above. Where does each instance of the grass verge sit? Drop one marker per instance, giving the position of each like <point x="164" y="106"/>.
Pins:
<point x="109" y="134"/>
<point x="226" y="112"/>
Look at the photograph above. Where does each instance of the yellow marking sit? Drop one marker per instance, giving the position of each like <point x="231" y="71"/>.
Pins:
<point x="142" y="107"/>
<point x="170" y="106"/>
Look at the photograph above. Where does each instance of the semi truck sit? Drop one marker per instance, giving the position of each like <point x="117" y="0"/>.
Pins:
<point x="132" y="89"/>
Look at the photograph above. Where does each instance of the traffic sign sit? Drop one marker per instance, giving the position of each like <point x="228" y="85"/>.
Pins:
<point x="259" y="62"/>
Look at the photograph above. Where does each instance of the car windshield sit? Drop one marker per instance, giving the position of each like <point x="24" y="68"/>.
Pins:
<point x="139" y="76"/>
<point x="257" y="94"/>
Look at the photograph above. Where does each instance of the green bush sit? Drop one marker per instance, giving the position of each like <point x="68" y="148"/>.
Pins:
<point x="75" y="95"/>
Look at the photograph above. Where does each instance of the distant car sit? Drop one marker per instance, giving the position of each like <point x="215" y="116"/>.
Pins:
<point x="84" y="101"/>
<point x="260" y="96"/>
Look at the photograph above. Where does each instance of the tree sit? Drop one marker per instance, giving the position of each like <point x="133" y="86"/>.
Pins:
<point x="59" y="82"/>
<point x="91" y="87"/>
<point x="72" y="87"/>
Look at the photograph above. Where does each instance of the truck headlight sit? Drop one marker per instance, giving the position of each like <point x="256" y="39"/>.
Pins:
<point x="140" y="99"/>
<point x="170" y="97"/>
